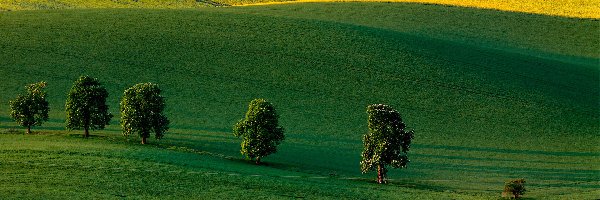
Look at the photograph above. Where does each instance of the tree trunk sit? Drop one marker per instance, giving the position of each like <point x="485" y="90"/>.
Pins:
<point x="258" y="160"/>
<point x="86" y="132"/>
<point x="380" y="174"/>
<point x="28" y="129"/>
<point x="143" y="139"/>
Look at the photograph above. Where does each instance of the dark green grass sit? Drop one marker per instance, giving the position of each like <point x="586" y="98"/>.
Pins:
<point x="537" y="35"/>
<point x="481" y="115"/>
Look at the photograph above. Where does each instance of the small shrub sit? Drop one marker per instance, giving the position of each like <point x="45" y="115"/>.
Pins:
<point x="514" y="188"/>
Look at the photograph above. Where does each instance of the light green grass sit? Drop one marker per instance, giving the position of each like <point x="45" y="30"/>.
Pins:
<point x="67" y="166"/>
<point x="481" y="115"/>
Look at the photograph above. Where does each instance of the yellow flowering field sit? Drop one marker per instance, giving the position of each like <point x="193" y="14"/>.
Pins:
<point x="565" y="8"/>
<point x="68" y="4"/>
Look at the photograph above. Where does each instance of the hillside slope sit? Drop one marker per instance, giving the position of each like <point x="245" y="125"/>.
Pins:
<point x="568" y="40"/>
<point x="58" y="166"/>
<point x="564" y="8"/>
<point x="480" y="114"/>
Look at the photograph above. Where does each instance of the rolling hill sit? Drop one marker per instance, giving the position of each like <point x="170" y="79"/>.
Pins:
<point x="563" y="8"/>
<point x="489" y="99"/>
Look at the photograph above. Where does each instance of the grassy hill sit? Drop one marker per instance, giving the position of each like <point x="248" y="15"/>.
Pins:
<point x="564" y="8"/>
<point x="569" y="40"/>
<point x="485" y="108"/>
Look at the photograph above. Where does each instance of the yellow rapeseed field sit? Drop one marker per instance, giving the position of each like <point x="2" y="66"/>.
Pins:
<point x="67" y="4"/>
<point x="565" y="8"/>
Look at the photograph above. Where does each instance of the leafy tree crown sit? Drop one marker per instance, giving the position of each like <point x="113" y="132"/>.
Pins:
<point x="31" y="108"/>
<point x="142" y="111"/>
<point x="259" y="130"/>
<point x="386" y="143"/>
<point x="86" y="105"/>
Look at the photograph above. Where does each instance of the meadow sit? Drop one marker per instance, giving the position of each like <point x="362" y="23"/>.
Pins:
<point x="563" y="8"/>
<point x="489" y="100"/>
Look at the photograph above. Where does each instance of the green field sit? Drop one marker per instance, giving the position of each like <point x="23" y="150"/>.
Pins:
<point x="492" y="96"/>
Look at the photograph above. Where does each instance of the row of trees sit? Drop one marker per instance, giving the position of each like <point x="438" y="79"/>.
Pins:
<point x="386" y="144"/>
<point x="141" y="107"/>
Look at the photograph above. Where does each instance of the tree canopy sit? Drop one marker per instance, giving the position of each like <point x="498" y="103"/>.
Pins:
<point x="386" y="143"/>
<point x="259" y="130"/>
<point x="86" y="105"/>
<point x="30" y="108"/>
<point x="142" y="111"/>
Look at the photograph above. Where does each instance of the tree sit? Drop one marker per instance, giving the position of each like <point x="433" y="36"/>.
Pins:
<point x="515" y="187"/>
<point x="31" y="108"/>
<point x="386" y="143"/>
<point x="86" y="105"/>
<point x="260" y="130"/>
<point x="142" y="111"/>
